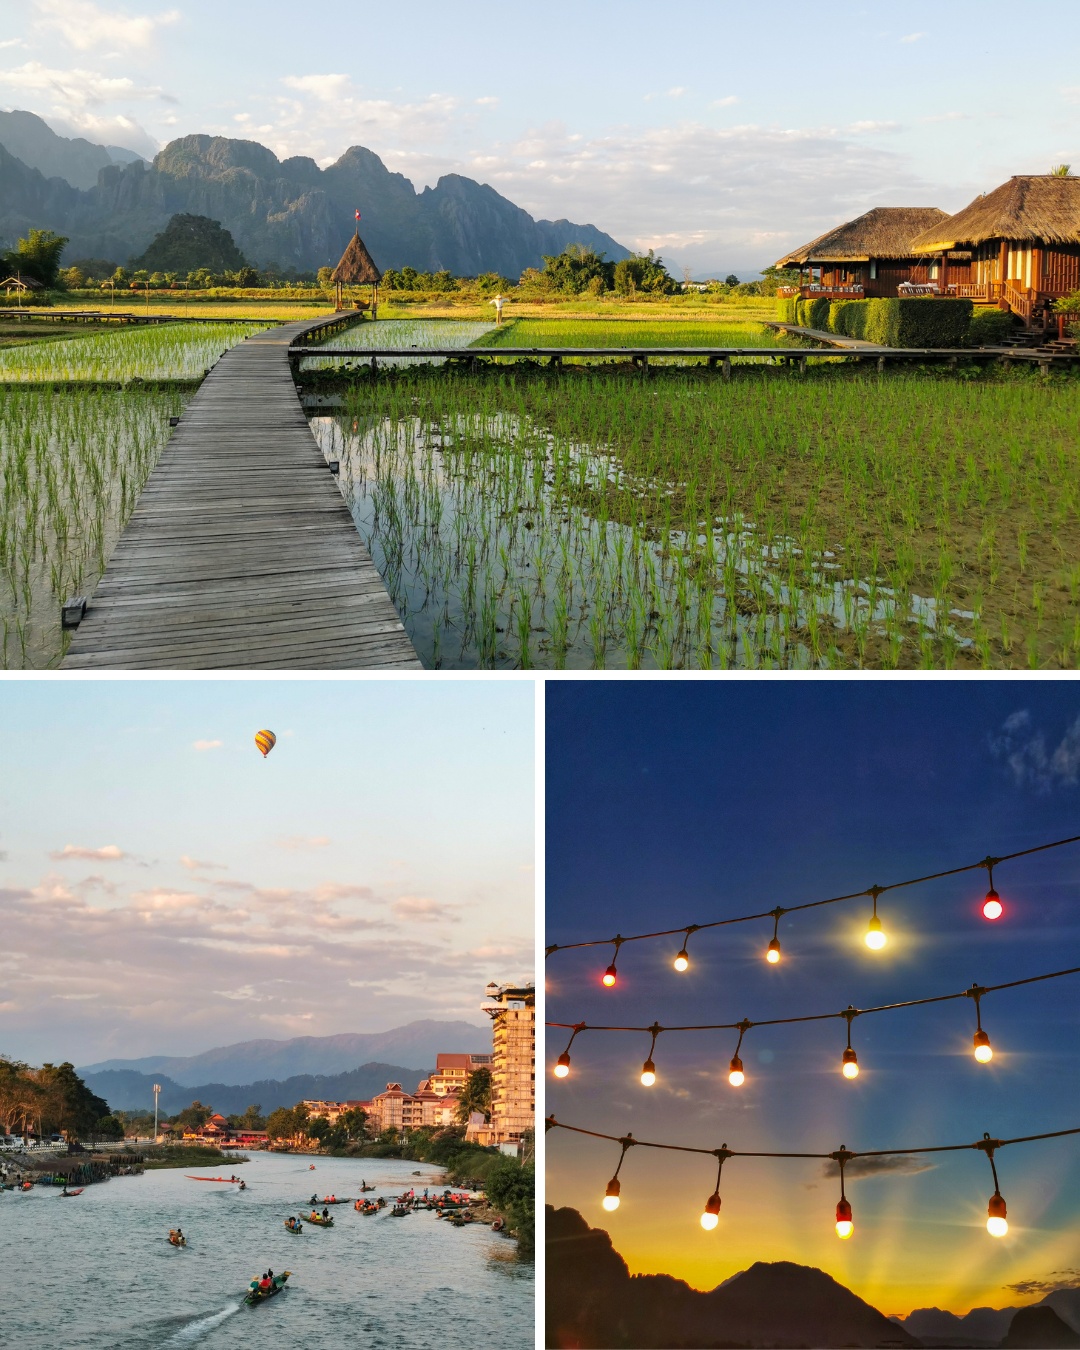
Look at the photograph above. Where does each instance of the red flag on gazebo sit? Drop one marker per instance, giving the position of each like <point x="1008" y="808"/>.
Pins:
<point x="358" y="214"/>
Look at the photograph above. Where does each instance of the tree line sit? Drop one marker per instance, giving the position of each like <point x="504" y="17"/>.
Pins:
<point x="52" y="1099"/>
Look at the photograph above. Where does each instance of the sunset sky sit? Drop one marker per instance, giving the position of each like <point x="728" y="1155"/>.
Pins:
<point x="722" y="134"/>
<point x="672" y="803"/>
<point x="164" y="889"/>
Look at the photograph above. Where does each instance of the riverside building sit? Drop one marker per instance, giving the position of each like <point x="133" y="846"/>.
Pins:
<point x="512" y="1009"/>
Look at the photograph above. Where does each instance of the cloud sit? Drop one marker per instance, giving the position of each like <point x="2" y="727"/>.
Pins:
<point x="947" y="117"/>
<point x="422" y="909"/>
<point x="299" y="843"/>
<point x="866" y="128"/>
<point x="1024" y="751"/>
<point x="903" y="1164"/>
<point x="488" y="101"/>
<point x="728" y="101"/>
<point x="207" y="745"/>
<point x="83" y="24"/>
<point x="73" y="852"/>
<point x="196" y="865"/>
<point x="77" y="88"/>
<point x="1071" y="93"/>
<point x="105" y="129"/>
<point x="676" y="91"/>
<point x="1067" y="1279"/>
<point x="12" y="42"/>
<point x="913" y="37"/>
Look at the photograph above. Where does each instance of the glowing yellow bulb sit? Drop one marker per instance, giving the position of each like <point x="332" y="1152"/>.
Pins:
<point x="844" y="1228"/>
<point x="611" y="1203"/>
<point x="983" y="1052"/>
<point x="736" y="1077"/>
<point x="850" y="1064"/>
<point x="682" y="961"/>
<point x="992" y="906"/>
<point x="648" y="1073"/>
<point x="997" y="1227"/>
<point x="609" y="976"/>
<point x="709" y="1221"/>
<point x="875" y="938"/>
<point x="996" y="1224"/>
<point x="772" y="955"/>
<point x="562" y="1065"/>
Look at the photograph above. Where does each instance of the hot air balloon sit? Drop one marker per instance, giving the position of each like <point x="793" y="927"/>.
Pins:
<point x="265" y="740"/>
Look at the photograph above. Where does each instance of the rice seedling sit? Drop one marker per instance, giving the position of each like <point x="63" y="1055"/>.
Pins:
<point x="163" y="352"/>
<point x="631" y="333"/>
<point x="72" y="465"/>
<point x="599" y="520"/>
<point x="403" y="335"/>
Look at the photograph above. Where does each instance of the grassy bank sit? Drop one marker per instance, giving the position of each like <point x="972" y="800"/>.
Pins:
<point x="187" y="1155"/>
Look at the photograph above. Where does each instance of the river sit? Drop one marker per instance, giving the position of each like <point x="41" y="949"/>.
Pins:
<point x="97" y="1272"/>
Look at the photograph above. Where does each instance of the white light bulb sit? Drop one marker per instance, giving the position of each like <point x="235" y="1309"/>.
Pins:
<point x="851" y="1070"/>
<point x="997" y="1227"/>
<point x="611" y="1203"/>
<point x="844" y="1228"/>
<point x="648" y="1078"/>
<point x="561" y="1070"/>
<point x="736" y="1078"/>
<point x="709" y="1221"/>
<point x="682" y="961"/>
<point x="984" y="1054"/>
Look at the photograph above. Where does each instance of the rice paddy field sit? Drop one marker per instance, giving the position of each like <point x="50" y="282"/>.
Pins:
<point x="840" y="520"/>
<point x="404" y="335"/>
<point x="161" y="352"/>
<point x="72" y="465"/>
<point x="632" y="333"/>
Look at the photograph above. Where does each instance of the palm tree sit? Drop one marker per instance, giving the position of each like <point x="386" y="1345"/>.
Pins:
<point x="1061" y="171"/>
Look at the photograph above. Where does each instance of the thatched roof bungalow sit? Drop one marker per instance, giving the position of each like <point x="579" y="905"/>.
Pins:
<point x="869" y="256"/>
<point x="21" y="285"/>
<point x="1024" y="239"/>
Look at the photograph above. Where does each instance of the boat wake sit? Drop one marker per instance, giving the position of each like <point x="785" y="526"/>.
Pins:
<point x="195" y="1331"/>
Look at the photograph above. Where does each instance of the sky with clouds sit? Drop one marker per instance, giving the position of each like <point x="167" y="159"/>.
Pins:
<point x="164" y="889"/>
<point x="733" y="797"/>
<point x="721" y="134"/>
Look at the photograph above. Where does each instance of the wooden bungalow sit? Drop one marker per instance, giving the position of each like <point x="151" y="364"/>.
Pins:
<point x="870" y="256"/>
<point x="357" y="268"/>
<point x="1024" y="240"/>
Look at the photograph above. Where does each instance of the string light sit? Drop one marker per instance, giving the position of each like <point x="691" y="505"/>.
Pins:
<point x="612" y="1194"/>
<point x="816" y="904"/>
<point x="562" y="1064"/>
<point x="875" y="935"/>
<point x="736" y="1075"/>
<point x="772" y="952"/>
<point x="710" y="1216"/>
<point x="648" y="1069"/>
<point x="844" y="1223"/>
<point x="848" y="1012"/>
<point x="983" y="1052"/>
<point x="682" y="961"/>
<point x="996" y="1222"/>
<point x="992" y="906"/>
<point x="611" y="974"/>
<point x="849" y="1065"/>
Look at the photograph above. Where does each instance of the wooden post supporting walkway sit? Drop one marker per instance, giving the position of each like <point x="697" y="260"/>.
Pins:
<point x="241" y="552"/>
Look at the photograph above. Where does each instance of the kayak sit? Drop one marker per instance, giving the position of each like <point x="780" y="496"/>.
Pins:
<point x="64" y="1195"/>
<point x="227" y="1179"/>
<point x="318" y="1219"/>
<point x="257" y="1295"/>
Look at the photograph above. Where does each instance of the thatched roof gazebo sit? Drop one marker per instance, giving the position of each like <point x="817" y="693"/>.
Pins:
<point x="1025" y="242"/>
<point x="870" y="255"/>
<point x="357" y="268"/>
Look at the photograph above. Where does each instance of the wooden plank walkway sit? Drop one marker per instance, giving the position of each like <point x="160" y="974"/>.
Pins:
<point x="241" y="553"/>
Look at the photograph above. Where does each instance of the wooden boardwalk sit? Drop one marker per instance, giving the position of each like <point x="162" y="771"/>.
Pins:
<point x="241" y="553"/>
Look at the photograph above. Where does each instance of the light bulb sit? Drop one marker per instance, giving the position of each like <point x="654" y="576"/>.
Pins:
<point x="996" y="1224"/>
<point x="648" y="1073"/>
<point x="736" y="1077"/>
<point x="610" y="976"/>
<point x="992" y="906"/>
<point x="983" y="1053"/>
<point x="844" y="1225"/>
<point x="611" y="1195"/>
<point x="682" y="961"/>
<point x="772" y="955"/>
<point x="875" y="938"/>
<point x="850" y="1064"/>
<point x="711" y="1217"/>
<point x="562" y="1065"/>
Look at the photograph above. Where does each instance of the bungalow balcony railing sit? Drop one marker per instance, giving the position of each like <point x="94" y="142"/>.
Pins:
<point x="818" y="292"/>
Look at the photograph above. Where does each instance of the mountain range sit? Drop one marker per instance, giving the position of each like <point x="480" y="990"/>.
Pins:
<point x="127" y="1090"/>
<point x="247" y="1062"/>
<point x="593" y="1302"/>
<point x="289" y="212"/>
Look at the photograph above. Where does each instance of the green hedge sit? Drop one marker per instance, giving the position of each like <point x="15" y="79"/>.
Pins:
<point x="918" y="321"/>
<point x="989" y="326"/>
<point x="785" y="309"/>
<point x="848" y="317"/>
<point x="812" y="313"/>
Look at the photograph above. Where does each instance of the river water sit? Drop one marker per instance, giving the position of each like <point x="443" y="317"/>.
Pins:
<point x="97" y="1272"/>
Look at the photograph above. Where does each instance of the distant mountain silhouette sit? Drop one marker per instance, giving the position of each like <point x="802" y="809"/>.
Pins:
<point x="415" y="1044"/>
<point x="985" y="1327"/>
<point x="594" y="1303"/>
<point x="74" y="159"/>
<point x="1040" y="1328"/>
<point x="286" y="211"/>
<point x="126" y="1090"/>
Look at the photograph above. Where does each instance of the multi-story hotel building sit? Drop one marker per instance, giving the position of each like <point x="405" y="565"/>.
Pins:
<point x="512" y="1009"/>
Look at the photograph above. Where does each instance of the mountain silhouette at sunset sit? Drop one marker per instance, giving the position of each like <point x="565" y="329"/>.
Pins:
<point x="594" y="1303"/>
